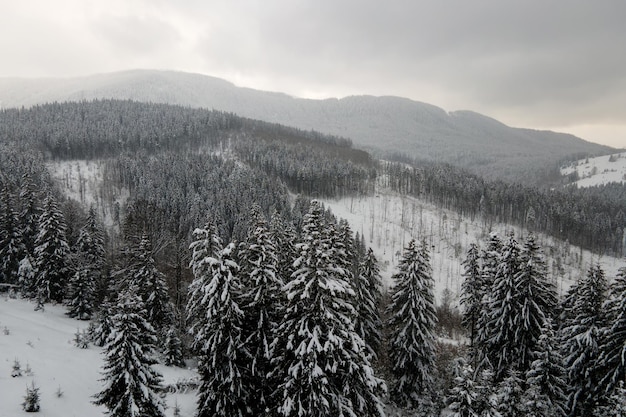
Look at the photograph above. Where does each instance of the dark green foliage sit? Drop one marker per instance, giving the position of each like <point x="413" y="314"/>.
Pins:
<point x="51" y="253"/>
<point x="31" y="400"/>
<point x="132" y="385"/>
<point x="412" y="323"/>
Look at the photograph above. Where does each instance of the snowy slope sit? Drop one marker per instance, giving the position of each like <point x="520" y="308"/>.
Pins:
<point x="388" y="221"/>
<point x="598" y="171"/>
<point x="43" y="341"/>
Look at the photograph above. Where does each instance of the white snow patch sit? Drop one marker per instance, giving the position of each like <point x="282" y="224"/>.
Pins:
<point x="596" y="171"/>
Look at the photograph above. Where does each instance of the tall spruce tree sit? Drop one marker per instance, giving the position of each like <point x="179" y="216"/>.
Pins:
<point x="91" y="250"/>
<point x="12" y="247"/>
<point x="368" y="298"/>
<point x="546" y="388"/>
<point x="261" y="303"/>
<point x="151" y="285"/>
<point x="218" y="338"/>
<point x="82" y="291"/>
<point x="501" y="349"/>
<point x="612" y="355"/>
<point x="411" y="324"/>
<point x="580" y="335"/>
<point x="472" y="292"/>
<point x="51" y="253"/>
<point x="320" y="357"/>
<point x="132" y="385"/>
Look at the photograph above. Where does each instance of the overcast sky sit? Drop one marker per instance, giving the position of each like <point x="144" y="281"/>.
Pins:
<point x="551" y="64"/>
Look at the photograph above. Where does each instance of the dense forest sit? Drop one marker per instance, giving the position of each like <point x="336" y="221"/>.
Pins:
<point x="221" y="253"/>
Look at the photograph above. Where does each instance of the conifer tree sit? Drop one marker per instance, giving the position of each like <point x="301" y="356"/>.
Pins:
<point x="501" y="349"/>
<point x="612" y="355"/>
<point x="218" y="337"/>
<point x="261" y="304"/>
<point x="132" y="385"/>
<point x="412" y="323"/>
<point x="545" y="394"/>
<point x="29" y="215"/>
<point x="284" y="237"/>
<point x="31" y="399"/>
<point x="173" y="350"/>
<point x="580" y="337"/>
<point x="472" y="292"/>
<point x="368" y="323"/>
<point x="91" y="250"/>
<point x="205" y="247"/>
<point x="81" y="290"/>
<point x="319" y="355"/>
<point x="463" y="397"/>
<point x="51" y="253"/>
<point x="12" y="247"/>
<point x="151" y="285"/>
<point x="509" y="396"/>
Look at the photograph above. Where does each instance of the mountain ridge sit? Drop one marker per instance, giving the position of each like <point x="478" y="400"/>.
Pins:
<point x="389" y="126"/>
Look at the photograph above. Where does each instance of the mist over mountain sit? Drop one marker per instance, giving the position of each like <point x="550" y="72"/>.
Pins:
<point x="391" y="127"/>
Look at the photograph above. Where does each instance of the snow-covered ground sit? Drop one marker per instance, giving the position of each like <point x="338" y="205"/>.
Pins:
<point x="44" y="343"/>
<point x="388" y="221"/>
<point x="599" y="170"/>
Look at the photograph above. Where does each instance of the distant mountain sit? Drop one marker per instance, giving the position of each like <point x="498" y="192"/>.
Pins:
<point x="389" y="126"/>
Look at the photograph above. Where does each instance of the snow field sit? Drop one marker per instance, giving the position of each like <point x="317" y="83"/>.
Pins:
<point x="43" y="341"/>
<point x="599" y="170"/>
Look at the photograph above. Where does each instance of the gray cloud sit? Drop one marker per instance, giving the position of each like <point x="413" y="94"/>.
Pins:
<point x="531" y="63"/>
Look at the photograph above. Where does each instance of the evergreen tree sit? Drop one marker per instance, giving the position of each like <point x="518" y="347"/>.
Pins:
<point x="463" y="396"/>
<point x="545" y="394"/>
<point x="51" y="253"/>
<point x="320" y="357"/>
<point x="284" y="237"/>
<point x="29" y="215"/>
<point x="509" y="396"/>
<point x="103" y="326"/>
<point x="261" y="303"/>
<point x="81" y="290"/>
<point x="151" y="285"/>
<point x="535" y="303"/>
<point x="205" y="248"/>
<point x="411" y="324"/>
<point x="490" y="263"/>
<point x="31" y="400"/>
<point x="472" y="292"/>
<point x="368" y="297"/>
<point x="612" y="356"/>
<point x="580" y="336"/>
<point x="90" y="248"/>
<point x="131" y="382"/>
<point x="12" y="247"/>
<point x="501" y="348"/>
<point x="173" y="350"/>
<point x="218" y="337"/>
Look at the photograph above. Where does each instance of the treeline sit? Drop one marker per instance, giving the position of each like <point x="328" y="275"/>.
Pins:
<point x="307" y="161"/>
<point x="593" y="218"/>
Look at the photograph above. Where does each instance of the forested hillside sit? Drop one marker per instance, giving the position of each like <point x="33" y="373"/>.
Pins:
<point x="205" y="240"/>
<point x="391" y="127"/>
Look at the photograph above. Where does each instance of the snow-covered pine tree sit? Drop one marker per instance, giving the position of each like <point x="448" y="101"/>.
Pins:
<point x="31" y="399"/>
<point x="535" y="303"/>
<point x="320" y="357"/>
<point x="51" y="253"/>
<point x="284" y="237"/>
<point x="173" y="349"/>
<point x="368" y="286"/>
<point x="411" y="324"/>
<point x="29" y="215"/>
<point x="12" y="247"/>
<point x="545" y="394"/>
<point x="81" y="292"/>
<point x="204" y="249"/>
<point x="262" y="303"/>
<point x="218" y="337"/>
<point x="509" y="396"/>
<point x="580" y="335"/>
<point x="103" y="325"/>
<point x="472" y="292"/>
<point x="90" y="249"/>
<point x="501" y="349"/>
<point x="132" y="385"/>
<point x="490" y="258"/>
<point x="151" y="285"/>
<point x="612" y="356"/>
<point x="462" y="399"/>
